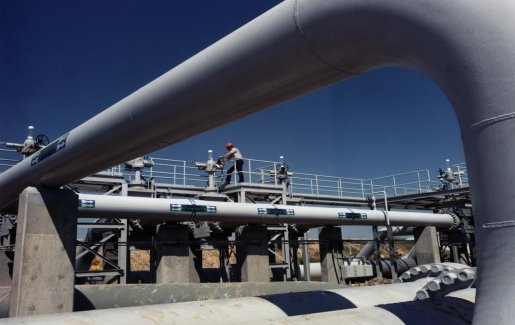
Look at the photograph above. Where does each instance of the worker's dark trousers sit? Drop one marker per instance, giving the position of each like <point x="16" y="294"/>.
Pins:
<point x="239" y="168"/>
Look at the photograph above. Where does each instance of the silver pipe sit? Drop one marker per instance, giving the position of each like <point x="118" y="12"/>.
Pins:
<point x="467" y="47"/>
<point x="402" y="266"/>
<point x="105" y="296"/>
<point x="442" y="311"/>
<point x="91" y="206"/>
<point x="314" y="272"/>
<point x="368" y="248"/>
<point x="238" y="310"/>
<point x="306" y="269"/>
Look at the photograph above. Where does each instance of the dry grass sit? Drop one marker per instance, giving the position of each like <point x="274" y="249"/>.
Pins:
<point x="140" y="259"/>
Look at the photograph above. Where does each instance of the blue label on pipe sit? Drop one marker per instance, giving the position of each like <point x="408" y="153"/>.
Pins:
<point x="352" y="215"/>
<point x="49" y="150"/>
<point x="88" y="204"/>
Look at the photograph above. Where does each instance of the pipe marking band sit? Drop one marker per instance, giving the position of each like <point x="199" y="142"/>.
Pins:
<point x="493" y="120"/>
<point x="276" y="211"/>
<point x="193" y="208"/>
<point x="49" y="150"/>
<point x="87" y="204"/>
<point x="500" y="224"/>
<point x="351" y="215"/>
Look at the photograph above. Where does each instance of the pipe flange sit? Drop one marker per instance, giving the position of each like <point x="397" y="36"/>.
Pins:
<point x="456" y="220"/>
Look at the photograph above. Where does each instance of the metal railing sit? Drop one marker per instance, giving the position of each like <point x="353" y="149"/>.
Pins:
<point x="175" y="172"/>
<point x="322" y="185"/>
<point x="182" y="173"/>
<point x="8" y="158"/>
<point x="418" y="181"/>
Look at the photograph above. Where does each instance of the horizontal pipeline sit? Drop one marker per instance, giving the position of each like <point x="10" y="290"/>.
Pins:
<point x="96" y="206"/>
<point x="105" y="296"/>
<point x="353" y="306"/>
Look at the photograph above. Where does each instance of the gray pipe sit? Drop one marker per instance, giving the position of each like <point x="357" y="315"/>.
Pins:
<point x="368" y="248"/>
<point x="442" y="311"/>
<point x="394" y="299"/>
<point x="103" y="296"/>
<point x="238" y="310"/>
<point x="91" y="206"/>
<point x="466" y="46"/>
<point x="402" y="264"/>
<point x="448" y="310"/>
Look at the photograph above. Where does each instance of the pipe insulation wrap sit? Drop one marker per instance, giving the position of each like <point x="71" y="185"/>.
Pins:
<point x="467" y="47"/>
<point x="188" y="209"/>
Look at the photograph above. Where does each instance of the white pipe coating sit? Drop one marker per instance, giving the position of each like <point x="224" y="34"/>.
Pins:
<point x="231" y="311"/>
<point x="466" y="46"/>
<point x="255" y="310"/>
<point x="105" y="206"/>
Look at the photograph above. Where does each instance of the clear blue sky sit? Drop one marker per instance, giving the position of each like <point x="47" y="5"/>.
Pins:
<point x="62" y="62"/>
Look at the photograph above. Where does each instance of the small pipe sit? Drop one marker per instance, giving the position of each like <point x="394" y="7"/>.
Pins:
<point x="449" y="278"/>
<point x="466" y="275"/>
<point x="305" y="258"/>
<point x="434" y="285"/>
<point x="91" y="206"/>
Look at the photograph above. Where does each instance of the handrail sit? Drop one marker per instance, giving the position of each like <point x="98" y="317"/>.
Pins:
<point x="183" y="173"/>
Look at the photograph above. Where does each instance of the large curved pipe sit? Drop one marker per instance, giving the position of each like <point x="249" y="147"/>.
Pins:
<point x="279" y="308"/>
<point x="466" y="46"/>
<point x="92" y="206"/>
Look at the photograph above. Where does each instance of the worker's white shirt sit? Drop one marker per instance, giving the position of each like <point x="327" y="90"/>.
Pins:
<point x="236" y="154"/>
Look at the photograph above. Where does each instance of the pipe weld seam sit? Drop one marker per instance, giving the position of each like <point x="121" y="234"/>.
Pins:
<point x="500" y="224"/>
<point x="311" y="48"/>
<point x="492" y="120"/>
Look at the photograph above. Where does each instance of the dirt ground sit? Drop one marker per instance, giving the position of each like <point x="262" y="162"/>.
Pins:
<point x="140" y="259"/>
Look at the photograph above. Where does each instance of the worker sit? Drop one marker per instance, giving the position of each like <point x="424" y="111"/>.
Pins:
<point x="96" y="264"/>
<point x="234" y="154"/>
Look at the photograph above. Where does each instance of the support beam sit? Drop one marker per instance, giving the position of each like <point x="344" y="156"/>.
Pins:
<point x="253" y="254"/>
<point x="427" y="245"/>
<point x="123" y="251"/>
<point x="331" y="248"/>
<point x="43" y="275"/>
<point x="176" y="260"/>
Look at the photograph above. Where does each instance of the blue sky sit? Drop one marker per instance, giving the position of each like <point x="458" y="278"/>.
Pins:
<point x="62" y="62"/>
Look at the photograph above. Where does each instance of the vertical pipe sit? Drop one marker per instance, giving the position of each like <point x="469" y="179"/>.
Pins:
<point x="419" y="185"/>
<point x="305" y="257"/>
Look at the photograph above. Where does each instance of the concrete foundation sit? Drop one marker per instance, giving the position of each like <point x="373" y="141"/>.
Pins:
<point x="252" y="252"/>
<point x="176" y="260"/>
<point x="427" y="245"/>
<point x="331" y="248"/>
<point x="43" y="272"/>
<point x="6" y="269"/>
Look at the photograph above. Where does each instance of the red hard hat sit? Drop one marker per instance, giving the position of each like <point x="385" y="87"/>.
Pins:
<point x="229" y="145"/>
